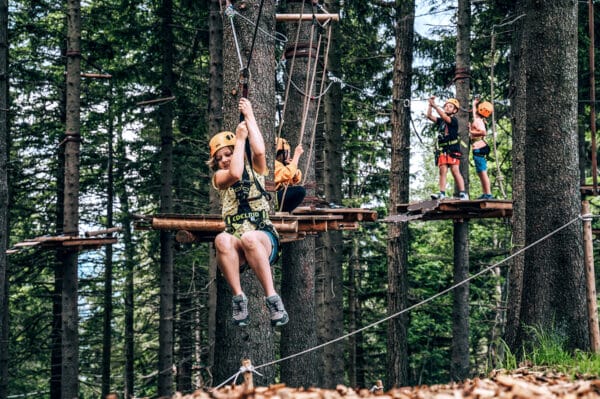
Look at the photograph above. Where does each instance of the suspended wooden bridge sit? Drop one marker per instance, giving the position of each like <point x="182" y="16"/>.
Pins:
<point x="303" y="222"/>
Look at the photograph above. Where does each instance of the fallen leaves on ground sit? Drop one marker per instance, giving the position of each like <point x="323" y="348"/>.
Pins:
<point x="518" y="384"/>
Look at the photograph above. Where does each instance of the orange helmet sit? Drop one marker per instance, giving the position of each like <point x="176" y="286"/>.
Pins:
<point x="282" y="144"/>
<point x="220" y="140"/>
<point x="485" y="109"/>
<point x="454" y="102"/>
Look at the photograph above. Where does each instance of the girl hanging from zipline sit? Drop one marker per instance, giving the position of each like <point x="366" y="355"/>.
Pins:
<point x="250" y="238"/>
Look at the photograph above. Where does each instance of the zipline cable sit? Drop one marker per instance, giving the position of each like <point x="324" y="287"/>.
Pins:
<point x="423" y="302"/>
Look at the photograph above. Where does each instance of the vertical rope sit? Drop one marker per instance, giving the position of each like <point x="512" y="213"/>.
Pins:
<point x="320" y="95"/>
<point x="499" y="178"/>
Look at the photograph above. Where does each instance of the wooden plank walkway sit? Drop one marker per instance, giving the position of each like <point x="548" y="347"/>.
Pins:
<point x="72" y="243"/>
<point x="304" y="221"/>
<point x="451" y="209"/>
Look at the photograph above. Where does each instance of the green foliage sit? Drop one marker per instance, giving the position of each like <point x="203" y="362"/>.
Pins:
<point x="121" y="38"/>
<point x="548" y="350"/>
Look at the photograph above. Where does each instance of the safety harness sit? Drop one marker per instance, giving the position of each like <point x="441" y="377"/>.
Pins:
<point x="451" y="147"/>
<point x="244" y="210"/>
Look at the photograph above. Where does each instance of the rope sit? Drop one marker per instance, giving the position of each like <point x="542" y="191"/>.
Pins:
<point x="287" y="91"/>
<point x="234" y="377"/>
<point x="287" y="88"/>
<point x="230" y="13"/>
<point x="309" y="77"/>
<point x="318" y="107"/>
<point x="423" y="302"/>
<point x="278" y="36"/>
<point x="307" y="101"/>
<point x="499" y="178"/>
<point x="303" y="93"/>
<point x="260" y="8"/>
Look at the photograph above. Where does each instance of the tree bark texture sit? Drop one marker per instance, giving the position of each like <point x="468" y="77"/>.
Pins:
<point x="298" y="258"/>
<point x="459" y="366"/>
<point x="4" y="226"/>
<point x="255" y="341"/>
<point x="108" y="269"/>
<point x="165" y="328"/>
<point x="215" y="122"/>
<point x="129" y="262"/>
<point x="70" y="314"/>
<point x="398" y="245"/>
<point x="518" y="122"/>
<point x="553" y="280"/>
<point x="329" y="274"/>
<point x="56" y="333"/>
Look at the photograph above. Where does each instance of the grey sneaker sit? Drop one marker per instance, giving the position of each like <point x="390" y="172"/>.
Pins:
<point x="277" y="312"/>
<point x="463" y="196"/>
<point x="438" y="196"/>
<point x="240" y="310"/>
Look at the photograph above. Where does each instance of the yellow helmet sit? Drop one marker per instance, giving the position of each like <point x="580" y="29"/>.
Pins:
<point x="485" y="109"/>
<point x="282" y="144"/>
<point x="220" y="140"/>
<point x="454" y="102"/>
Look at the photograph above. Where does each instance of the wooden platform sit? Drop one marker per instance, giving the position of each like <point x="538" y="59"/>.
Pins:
<point x="451" y="209"/>
<point x="589" y="190"/>
<point x="73" y="243"/>
<point x="290" y="226"/>
<point x="91" y="240"/>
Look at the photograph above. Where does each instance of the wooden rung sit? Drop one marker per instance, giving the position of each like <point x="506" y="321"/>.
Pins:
<point x="314" y="225"/>
<point x="188" y="224"/>
<point x="26" y="244"/>
<point x="100" y="232"/>
<point x="306" y="17"/>
<point x="335" y="225"/>
<point x="88" y="242"/>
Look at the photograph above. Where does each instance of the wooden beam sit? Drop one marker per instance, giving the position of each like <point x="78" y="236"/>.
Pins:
<point x="100" y="232"/>
<point x="96" y="76"/>
<point x="306" y="17"/>
<point x="590" y="278"/>
<point x="97" y="242"/>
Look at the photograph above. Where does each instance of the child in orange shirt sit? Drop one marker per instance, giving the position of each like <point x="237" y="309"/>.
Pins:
<point x="477" y="132"/>
<point x="287" y="176"/>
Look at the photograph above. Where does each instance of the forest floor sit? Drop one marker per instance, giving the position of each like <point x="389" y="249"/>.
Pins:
<point x="523" y="383"/>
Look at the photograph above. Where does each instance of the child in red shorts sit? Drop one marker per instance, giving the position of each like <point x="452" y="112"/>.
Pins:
<point x="448" y="144"/>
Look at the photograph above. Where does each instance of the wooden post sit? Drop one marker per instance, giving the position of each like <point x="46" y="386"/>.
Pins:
<point x="590" y="277"/>
<point x="248" y="381"/>
<point x="306" y="17"/>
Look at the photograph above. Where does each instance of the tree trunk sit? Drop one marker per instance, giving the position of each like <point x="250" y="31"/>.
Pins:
<point x="553" y="279"/>
<point x="4" y="226"/>
<point x="128" y="266"/>
<point x="56" y="329"/>
<point x="298" y="275"/>
<point x="459" y="368"/>
<point x="108" y="268"/>
<point x="518" y="102"/>
<point x="397" y="248"/>
<point x="256" y="341"/>
<point x="165" y="328"/>
<point x="352" y="318"/>
<point x="329" y="288"/>
<point x="70" y="314"/>
<point x="215" y="122"/>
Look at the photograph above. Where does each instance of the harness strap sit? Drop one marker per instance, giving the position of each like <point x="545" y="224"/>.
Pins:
<point x="254" y="217"/>
<point x="451" y="142"/>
